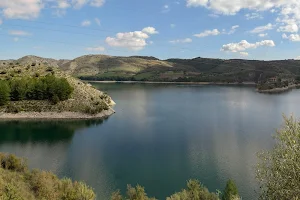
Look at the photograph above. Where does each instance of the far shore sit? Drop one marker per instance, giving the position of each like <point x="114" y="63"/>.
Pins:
<point x="279" y="90"/>
<point x="53" y="115"/>
<point x="180" y="83"/>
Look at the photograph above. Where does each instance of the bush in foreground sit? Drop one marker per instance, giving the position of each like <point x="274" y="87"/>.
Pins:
<point x="279" y="170"/>
<point x="19" y="183"/>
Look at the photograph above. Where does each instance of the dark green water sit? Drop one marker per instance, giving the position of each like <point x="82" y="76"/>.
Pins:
<point x="160" y="136"/>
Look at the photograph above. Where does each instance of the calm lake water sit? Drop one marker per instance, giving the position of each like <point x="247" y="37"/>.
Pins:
<point x="160" y="136"/>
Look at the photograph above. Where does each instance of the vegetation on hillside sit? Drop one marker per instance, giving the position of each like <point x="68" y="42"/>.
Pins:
<point x="195" y="190"/>
<point x="35" y="88"/>
<point x="101" y="67"/>
<point x="34" y="84"/>
<point x="17" y="182"/>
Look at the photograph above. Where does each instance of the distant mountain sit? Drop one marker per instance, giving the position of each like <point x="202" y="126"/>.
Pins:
<point x="140" y="68"/>
<point x="143" y="68"/>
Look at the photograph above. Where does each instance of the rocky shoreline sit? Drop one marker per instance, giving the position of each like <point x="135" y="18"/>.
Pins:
<point x="179" y="83"/>
<point x="54" y="115"/>
<point x="279" y="90"/>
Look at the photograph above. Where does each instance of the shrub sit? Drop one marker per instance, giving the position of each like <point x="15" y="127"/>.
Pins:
<point x="278" y="171"/>
<point x="19" y="183"/>
<point x="133" y="193"/>
<point x="230" y="191"/>
<point x="12" y="108"/>
<point x="4" y="93"/>
<point x="11" y="162"/>
<point x="194" y="191"/>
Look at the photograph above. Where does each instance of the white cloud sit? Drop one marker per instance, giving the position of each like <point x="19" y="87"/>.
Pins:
<point x="21" y="9"/>
<point x="186" y="40"/>
<point x="196" y="3"/>
<point x="130" y="40"/>
<point x="213" y="15"/>
<point x="19" y="33"/>
<point x="287" y="11"/>
<point x="208" y="33"/>
<point x="263" y="34"/>
<point x="165" y="9"/>
<point x="98" y="22"/>
<point x="79" y="3"/>
<point x="86" y="23"/>
<point x="292" y="37"/>
<point x="254" y="15"/>
<point x="260" y="29"/>
<point x="63" y="4"/>
<point x="233" y="29"/>
<point x="1" y="22"/>
<point x="97" y="3"/>
<point x="245" y="54"/>
<point x="16" y="39"/>
<point x="297" y="58"/>
<point x="172" y="25"/>
<point x="244" y="45"/>
<point x="95" y="49"/>
<point x="289" y="26"/>
<point x="150" y="30"/>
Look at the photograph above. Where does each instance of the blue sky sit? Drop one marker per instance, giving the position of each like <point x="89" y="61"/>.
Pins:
<point x="249" y="29"/>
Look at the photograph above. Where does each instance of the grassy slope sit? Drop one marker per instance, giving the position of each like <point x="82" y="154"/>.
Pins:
<point x="84" y="97"/>
<point x="101" y="67"/>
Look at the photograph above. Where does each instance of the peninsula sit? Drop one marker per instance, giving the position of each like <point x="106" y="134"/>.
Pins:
<point x="35" y="88"/>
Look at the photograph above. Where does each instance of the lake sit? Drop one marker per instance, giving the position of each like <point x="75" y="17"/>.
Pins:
<point x="160" y="136"/>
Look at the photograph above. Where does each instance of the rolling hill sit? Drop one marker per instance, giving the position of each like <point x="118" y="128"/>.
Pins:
<point x="143" y="68"/>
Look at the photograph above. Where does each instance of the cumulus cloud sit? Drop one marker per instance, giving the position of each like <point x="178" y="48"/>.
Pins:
<point x="19" y="33"/>
<point x="95" y="49"/>
<point x="263" y="34"/>
<point x="196" y="3"/>
<point x="63" y="4"/>
<point x="287" y="11"/>
<point x="254" y="15"/>
<point x="244" y="45"/>
<point x="79" y="3"/>
<point x="288" y="26"/>
<point x="186" y="40"/>
<point x="297" y="58"/>
<point x="98" y="22"/>
<point x="130" y="40"/>
<point x="208" y="33"/>
<point x="150" y="30"/>
<point x="97" y="3"/>
<point x="233" y="29"/>
<point x="292" y="37"/>
<point x="21" y="9"/>
<point x="260" y="29"/>
<point x="86" y="23"/>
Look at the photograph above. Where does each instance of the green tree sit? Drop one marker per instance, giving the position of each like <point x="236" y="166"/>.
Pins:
<point x="194" y="191"/>
<point x="133" y="193"/>
<point x="278" y="171"/>
<point x="18" y="89"/>
<point x="4" y="93"/>
<point x="230" y="192"/>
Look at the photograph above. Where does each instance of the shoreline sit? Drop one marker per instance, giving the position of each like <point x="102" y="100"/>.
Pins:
<point x="179" y="83"/>
<point x="54" y="115"/>
<point x="279" y="90"/>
